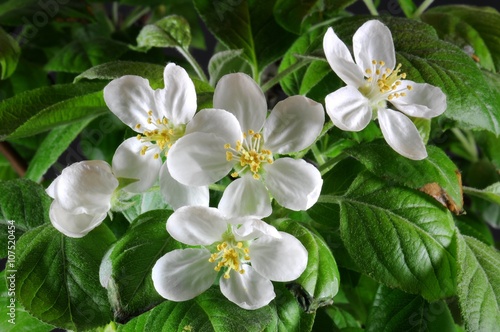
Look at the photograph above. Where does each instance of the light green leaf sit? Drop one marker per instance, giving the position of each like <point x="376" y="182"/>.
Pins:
<point x="170" y="31"/>
<point x="45" y="108"/>
<point x="9" y="54"/>
<point x="408" y="7"/>
<point x="490" y="193"/>
<point x="227" y="62"/>
<point x="437" y="168"/>
<point x="53" y="146"/>
<point x="126" y="268"/>
<point x="394" y="310"/>
<point x="57" y="277"/>
<point x="210" y="311"/>
<point x="134" y="206"/>
<point x="26" y="204"/>
<point x="399" y="236"/>
<point x="478" y="284"/>
<point x="319" y="283"/>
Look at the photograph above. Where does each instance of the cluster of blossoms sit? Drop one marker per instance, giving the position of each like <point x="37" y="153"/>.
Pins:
<point x="186" y="151"/>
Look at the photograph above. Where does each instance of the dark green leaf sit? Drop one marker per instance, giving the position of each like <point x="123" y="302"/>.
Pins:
<point x="319" y="283"/>
<point x="57" y="277"/>
<point x="474" y="29"/>
<point x="9" y="54"/>
<point x="210" y="311"/>
<point x="473" y="226"/>
<point x="38" y="110"/>
<point x="398" y="236"/>
<point x="394" y="310"/>
<point x="26" y="204"/>
<point x="437" y="168"/>
<point x="478" y="284"/>
<point x="126" y="269"/>
<point x="171" y="31"/>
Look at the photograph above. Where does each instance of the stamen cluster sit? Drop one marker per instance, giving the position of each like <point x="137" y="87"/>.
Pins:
<point x="230" y="254"/>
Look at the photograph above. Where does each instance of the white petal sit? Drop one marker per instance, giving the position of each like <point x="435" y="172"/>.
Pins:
<point x="198" y="159"/>
<point x="245" y="197"/>
<point x="73" y="225"/>
<point x="401" y="134"/>
<point x="293" y="124"/>
<point x="340" y="60"/>
<point x="86" y="187"/>
<point x="240" y="95"/>
<point x="183" y="274"/>
<point x="248" y="290"/>
<point x="196" y="225"/>
<point x="130" y="98"/>
<point x="348" y="109"/>
<point x="177" y="194"/>
<point x="253" y="228"/>
<point x="282" y="259"/>
<point x="177" y="101"/>
<point x="373" y="41"/>
<point x="51" y="189"/>
<point x="294" y="183"/>
<point x="422" y="101"/>
<point x="129" y="163"/>
<point x="219" y="122"/>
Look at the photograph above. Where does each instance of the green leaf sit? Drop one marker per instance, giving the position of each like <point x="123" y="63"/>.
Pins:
<point x="394" y="310"/>
<point x="473" y="226"/>
<point x="116" y="69"/>
<point x="408" y="7"/>
<point x="475" y="29"/>
<point x="19" y="320"/>
<point x="398" y="236"/>
<point x="170" y="31"/>
<point x="52" y="147"/>
<point x="24" y="202"/>
<point x="227" y="62"/>
<point x="249" y="26"/>
<point x="9" y="54"/>
<point x="319" y="283"/>
<point x="80" y="55"/>
<point x="57" y="277"/>
<point x="210" y="311"/>
<point x="45" y="108"/>
<point x="134" y="206"/>
<point x="478" y="284"/>
<point x="437" y="168"/>
<point x="490" y="193"/>
<point x="126" y="269"/>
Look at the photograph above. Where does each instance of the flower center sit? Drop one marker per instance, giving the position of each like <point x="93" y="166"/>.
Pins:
<point x="384" y="82"/>
<point x="250" y="154"/>
<point x="229" y="255"/>
<point x="164" y="135"/>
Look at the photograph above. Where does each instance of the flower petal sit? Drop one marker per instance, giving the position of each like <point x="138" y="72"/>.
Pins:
<point x="240" y="95"/>
<point x="373" y="41"/>
<point x="177" y="194"/>
<point x="130" y="98"/>
<point x="177" y="101"/>
<point x="248" y="290"/>
<point x="129" y="163"/>
<point x="293" y="125"/>
<point x="253" y="228"/>
<point x="422" y="101"/>
<point x="348" y="109"/>
<point x="278" y="259"/>
<point x="86" y="187"/>
<point x="294" y="183"/>
<point x="183" y="274"/>
<point x="196" y="225"/>
<point x="73" y="225"/>
<point x="245" y="197"/>
<point x="198" y="159"/>
<point x="215" y="121"/>
<point x="340" y="60"/>
<point x="401" y="134"/>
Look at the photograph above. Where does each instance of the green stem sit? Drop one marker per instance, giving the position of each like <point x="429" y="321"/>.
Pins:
<point x="468" y="143"/>
<point x="330" y="163"/>
<point x="192" y="61"/>
<point x="317" y="154"/>
<point x="114" y="13"/>
<point x="276" y="79"/>
<point x="371" y="7"/>
<point x="420" y="10"/>
<point x="217" y="187"/>
<point x="134" y="16"/>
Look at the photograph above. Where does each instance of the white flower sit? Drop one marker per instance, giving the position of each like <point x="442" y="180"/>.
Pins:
<point x="247" y="252"/>
<point x="82" y="197"/>
<point x="372" y="81"/>
<point x="159" y="117"/>
<point x="246" y="141"/>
